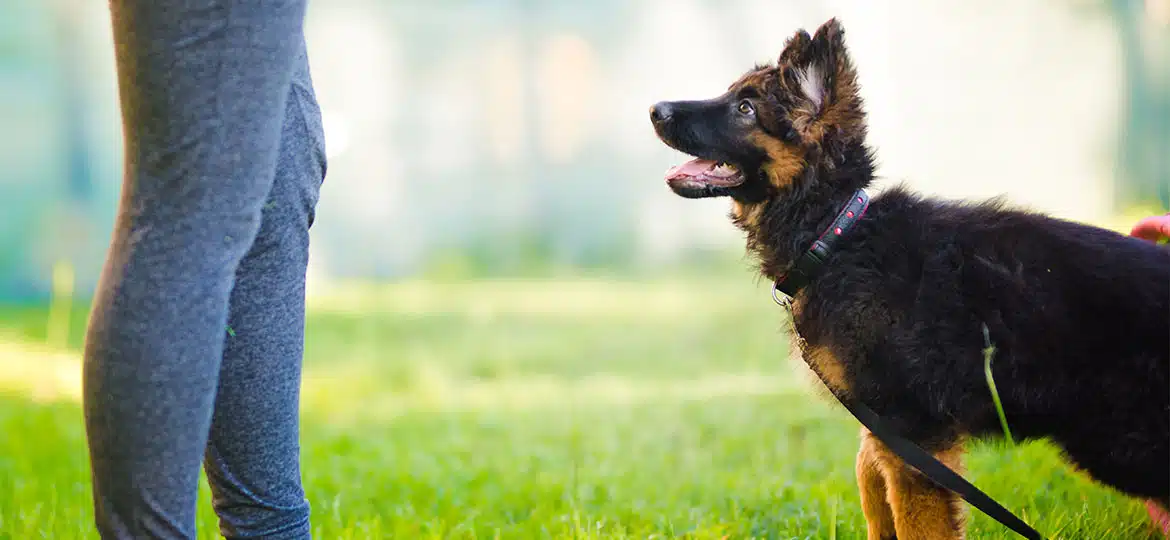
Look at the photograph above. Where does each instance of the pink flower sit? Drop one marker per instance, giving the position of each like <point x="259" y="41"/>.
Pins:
<point x="1160" y="515"/>
<point x="1152" y="228"/>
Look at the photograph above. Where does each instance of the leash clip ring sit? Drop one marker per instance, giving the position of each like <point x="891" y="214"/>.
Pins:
<point x="785" y="302"/>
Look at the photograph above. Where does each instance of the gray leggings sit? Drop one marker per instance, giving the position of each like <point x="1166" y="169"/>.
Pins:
<point x="193" y="352"/>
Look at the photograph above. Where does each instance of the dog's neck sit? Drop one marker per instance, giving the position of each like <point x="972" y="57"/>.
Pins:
<point x="792" y="220"/>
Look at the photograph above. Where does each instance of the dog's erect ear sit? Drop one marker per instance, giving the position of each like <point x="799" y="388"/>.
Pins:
<point x="793" y="47"/>
<point x="823" y="81"/>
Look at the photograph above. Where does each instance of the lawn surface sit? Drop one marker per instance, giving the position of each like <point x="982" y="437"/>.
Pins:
<point x="554" y="409"/>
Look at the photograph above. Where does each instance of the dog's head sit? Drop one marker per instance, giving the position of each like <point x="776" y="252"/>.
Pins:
<point x="757" y="140"/>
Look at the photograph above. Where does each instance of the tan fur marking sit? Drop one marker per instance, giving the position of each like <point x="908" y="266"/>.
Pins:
<point x="921" y="510"/>
<point x="879" y="517"/>
<point x="784" y="163"/>
<point x="747" y="215"/>
<point x="815" y="363"/>
<point x="828" y="367"/>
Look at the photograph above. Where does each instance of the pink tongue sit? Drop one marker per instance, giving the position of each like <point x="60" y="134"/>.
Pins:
<point x="691" y="169"/>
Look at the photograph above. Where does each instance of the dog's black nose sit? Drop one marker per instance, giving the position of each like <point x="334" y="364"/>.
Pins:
<point x="660" y="112"/>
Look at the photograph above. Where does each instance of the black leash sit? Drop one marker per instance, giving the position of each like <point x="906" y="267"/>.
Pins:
<point x="804" y="270"/>
<point x="942" y="475"/>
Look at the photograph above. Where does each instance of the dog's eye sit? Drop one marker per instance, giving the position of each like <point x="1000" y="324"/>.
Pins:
<point x="745" y="107"/>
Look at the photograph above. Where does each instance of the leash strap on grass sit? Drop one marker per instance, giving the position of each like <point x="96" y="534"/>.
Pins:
<point x="942" y="475"/>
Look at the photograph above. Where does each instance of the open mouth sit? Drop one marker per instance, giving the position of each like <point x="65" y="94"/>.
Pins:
<point x="703" y="178"/>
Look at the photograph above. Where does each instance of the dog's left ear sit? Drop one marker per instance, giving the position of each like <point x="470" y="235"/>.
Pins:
<point x="824" y="82"/>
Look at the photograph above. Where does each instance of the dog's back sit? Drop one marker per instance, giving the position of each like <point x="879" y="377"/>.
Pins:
<point x="1079" y="317"/>
<point x="1106" y="309"/>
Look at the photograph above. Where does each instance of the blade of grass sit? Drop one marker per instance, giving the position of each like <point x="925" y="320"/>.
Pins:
<point x="833" y="520"/>
<point x="988" y="353"/>
<point x="60" y="305"/>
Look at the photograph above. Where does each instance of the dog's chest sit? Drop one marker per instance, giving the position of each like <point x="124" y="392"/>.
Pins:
<point x="819" y="358"/>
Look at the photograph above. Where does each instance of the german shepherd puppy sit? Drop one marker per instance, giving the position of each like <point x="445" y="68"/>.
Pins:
<point x="1079" y="315"/>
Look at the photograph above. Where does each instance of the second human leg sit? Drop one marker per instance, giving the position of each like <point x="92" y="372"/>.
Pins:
<point x="252" y="459"/>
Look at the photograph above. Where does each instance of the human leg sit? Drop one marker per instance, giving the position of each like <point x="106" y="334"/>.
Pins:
<point x="203" y="88"/>
<point x="253" y="454"/>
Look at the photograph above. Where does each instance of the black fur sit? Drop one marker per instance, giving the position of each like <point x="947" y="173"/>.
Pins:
<point x="1079" y="317"/>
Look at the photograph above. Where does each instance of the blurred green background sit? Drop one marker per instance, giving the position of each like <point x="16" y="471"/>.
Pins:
<point x="515" y="330"/>
<point x="499" y="137"/>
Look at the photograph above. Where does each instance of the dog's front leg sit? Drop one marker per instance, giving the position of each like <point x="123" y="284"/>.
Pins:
<point x="879" y="518"/>
<point x="922" y="510"/>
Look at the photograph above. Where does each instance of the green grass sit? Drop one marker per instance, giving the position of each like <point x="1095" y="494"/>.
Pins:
<point x="573" y="409"/>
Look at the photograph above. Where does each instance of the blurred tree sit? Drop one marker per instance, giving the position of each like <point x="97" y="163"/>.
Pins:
<point x="69" y="25"/>
<point x="1143" y="153"/>
<point x="1144" y="30"/>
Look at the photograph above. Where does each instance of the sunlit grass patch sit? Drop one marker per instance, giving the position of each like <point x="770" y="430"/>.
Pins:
<point x="555" y="409"/>
<point x="38" y="371"/>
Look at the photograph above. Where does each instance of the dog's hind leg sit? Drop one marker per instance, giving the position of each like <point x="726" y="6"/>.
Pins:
<point x="879" y="518"/>
<point x="921" y="509"/>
